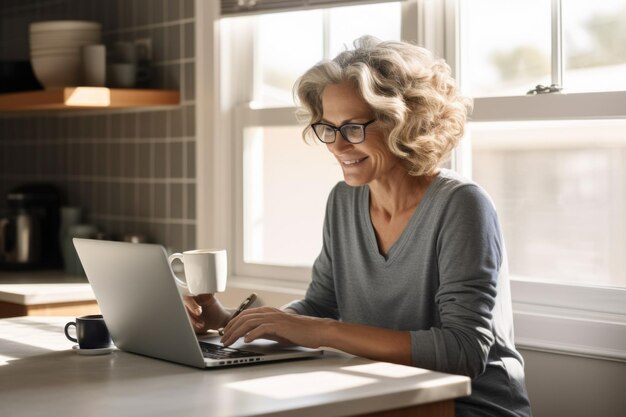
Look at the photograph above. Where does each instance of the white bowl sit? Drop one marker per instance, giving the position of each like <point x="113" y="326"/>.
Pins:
<point x="61" y="31"/>
<point x="74" y="34"/>
<point x="76" y="37"/>
<point x="57" y="49"/>
<point x="44" y="40"/>
<point x="74" y="45"/>
<point x="72" y="52"/>
<point x="56" y="25"/>
<point x="57" y="71"/>
<point x="64" y="32"/>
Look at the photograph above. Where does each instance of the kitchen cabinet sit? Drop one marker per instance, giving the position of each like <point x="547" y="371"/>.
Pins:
<point x="86" y="98"/>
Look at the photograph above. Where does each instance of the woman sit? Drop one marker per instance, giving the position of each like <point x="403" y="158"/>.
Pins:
<point x="413" y="265"/>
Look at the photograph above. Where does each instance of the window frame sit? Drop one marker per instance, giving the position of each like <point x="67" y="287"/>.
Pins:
<point x="567" y="319"/>
<point x="246" y="117"/>
<point x="245" y="114"/>
<point x="556" y="317"/>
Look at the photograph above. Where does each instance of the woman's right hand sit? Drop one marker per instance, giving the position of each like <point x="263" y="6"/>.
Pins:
<point x="206" y="312"/>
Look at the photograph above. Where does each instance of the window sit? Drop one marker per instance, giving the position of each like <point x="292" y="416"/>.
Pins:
<point x="559" y="188"/>
<point x="554" y="163"/>
<point x="511" y="46"/>
<point x="287" y="44"/>
<point x="557" y="184"/>
<point x="281" y="168"/>
<point x="281" y="182"/>
<point x="504" y="57"/>
<point x="594" y="51"/>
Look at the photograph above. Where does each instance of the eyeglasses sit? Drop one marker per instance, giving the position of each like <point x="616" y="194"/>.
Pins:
<point x="351" y="132"/>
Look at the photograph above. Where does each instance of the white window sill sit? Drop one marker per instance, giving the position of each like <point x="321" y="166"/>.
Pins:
<point x="564" y="319"/>
<point x="571" y="319"/>
<point x="272" y="292"/>
<point x="280" y="286"/>
<point x="588" y="334"/>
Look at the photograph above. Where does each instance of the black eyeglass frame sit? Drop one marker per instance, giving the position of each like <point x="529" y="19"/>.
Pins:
<point x="339" y="129"/>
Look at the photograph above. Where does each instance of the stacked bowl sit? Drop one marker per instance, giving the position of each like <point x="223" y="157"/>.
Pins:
<point x="55" y="50"/>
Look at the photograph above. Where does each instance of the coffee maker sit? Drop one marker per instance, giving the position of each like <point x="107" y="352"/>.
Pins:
<point x="29" y="229"/>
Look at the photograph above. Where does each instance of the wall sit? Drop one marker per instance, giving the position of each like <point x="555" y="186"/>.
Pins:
<point x="132" y="171"/>
<point x="572" y="386"/>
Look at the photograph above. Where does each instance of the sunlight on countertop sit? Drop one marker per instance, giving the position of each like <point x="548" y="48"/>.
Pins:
<point x="298" y="385"/>
<point x="52" y="338"/>
<point x="389" y="370"/>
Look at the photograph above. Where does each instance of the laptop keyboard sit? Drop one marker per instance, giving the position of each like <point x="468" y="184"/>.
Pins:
<point x="213" y="351"/>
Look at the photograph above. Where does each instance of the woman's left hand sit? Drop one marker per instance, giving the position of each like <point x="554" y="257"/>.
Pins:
<point x="274" y="324"/>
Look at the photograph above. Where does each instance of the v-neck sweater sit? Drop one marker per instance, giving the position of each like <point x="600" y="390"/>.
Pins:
<point x="445" y="281"/>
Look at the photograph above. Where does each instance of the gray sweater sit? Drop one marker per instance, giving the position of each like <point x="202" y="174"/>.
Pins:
<point x="445" y="281"/>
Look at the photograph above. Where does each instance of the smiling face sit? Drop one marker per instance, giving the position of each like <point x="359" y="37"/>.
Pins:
<point x="361" y="163"/>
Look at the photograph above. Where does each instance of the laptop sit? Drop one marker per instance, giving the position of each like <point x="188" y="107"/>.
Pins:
<point x="145" y="314"/>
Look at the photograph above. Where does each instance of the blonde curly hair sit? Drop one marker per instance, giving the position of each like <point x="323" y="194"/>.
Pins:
<point x="413" y="96"/>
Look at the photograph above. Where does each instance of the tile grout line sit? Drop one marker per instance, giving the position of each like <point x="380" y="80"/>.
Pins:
<point x="168" y="196"/>
<point x="183" y="83"/>
<point x="137" y="156"/>
<point x="109" y="167"/>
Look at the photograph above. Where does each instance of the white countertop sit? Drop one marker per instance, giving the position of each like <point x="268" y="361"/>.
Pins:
<point x="41" y="375"/>
<point x="43" y="287"/>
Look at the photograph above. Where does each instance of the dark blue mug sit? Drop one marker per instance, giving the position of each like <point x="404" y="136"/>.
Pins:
<point x="91" y="332"/>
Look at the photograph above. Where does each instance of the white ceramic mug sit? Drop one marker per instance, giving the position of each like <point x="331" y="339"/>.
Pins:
<point x="205" y="270"/>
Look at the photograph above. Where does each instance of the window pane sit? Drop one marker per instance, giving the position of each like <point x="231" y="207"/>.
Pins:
<point x="286" y="182"/>
<point x="594" y="45"/>
<point x="349" y="23"/>
<point x="505" y="46"/>
<point x="287" y="44"/>
<point x="560" y="190"/>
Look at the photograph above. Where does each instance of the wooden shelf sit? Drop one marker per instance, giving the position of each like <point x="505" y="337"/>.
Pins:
<point x="93" y="98"/>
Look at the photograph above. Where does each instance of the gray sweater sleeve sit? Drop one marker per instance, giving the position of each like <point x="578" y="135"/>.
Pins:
<point x="469" y="253"/>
